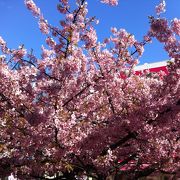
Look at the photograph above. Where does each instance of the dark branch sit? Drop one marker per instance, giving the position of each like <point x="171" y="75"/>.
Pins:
<point x="115" y="145"/>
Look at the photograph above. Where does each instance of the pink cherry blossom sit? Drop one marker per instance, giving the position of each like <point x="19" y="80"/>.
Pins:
<point x="139" y="47"/>
<point x="175" y="24"/>
<point x="32" y="7"/>
<point x="90" y="38"/>
<point x="18" y="54"/>
<point x="50" y="42"/>
<point x="43" y="26"/>
<point x="161" y="7"/>
<point x="79" y="110"/>
<point x="2" y="42"/>
<point x="70" y="17"/>
<point x="64" y="2"/>
<point x="4" y="49"/>
<point x="160" y="29"/>
<point x="111" y="2"/>
<point x="46" y="53"/>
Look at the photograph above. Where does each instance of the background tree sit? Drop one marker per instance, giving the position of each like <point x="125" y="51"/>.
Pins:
<point x="80" y="111"/>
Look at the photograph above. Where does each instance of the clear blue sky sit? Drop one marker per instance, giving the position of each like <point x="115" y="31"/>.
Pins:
<point x="17" y="26"/>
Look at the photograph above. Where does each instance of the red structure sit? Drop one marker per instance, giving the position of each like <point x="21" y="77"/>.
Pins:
<point x="152" y="67"/>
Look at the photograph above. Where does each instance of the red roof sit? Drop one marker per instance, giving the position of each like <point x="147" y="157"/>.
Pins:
<point x="152" y="67"/>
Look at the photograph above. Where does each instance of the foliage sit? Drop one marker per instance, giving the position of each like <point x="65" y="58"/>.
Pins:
<point x="80" y="110"/>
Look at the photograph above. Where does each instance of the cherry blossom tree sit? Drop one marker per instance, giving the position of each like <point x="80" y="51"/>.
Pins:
<point x="80" y="111"/>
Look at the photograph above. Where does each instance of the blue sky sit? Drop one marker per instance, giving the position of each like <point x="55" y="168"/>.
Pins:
<point x="18" y="26"/>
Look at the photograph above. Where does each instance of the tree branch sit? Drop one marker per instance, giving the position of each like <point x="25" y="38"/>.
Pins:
<point x="115" y="145"/>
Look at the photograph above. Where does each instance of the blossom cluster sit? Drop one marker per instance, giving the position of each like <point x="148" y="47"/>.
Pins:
<point x="32" y="7"/>
<point x="161" y="7"/>
<point x="79" y="110"/>
<point x="175" y="24"/>
<point x="111" y="2"/>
